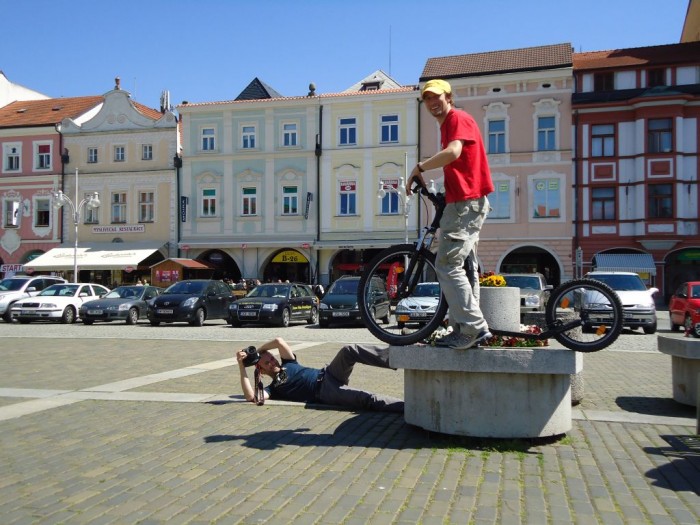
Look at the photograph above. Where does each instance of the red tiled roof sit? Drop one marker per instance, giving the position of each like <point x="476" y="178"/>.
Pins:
<point x="688" y="52"/>
<point x="494" y="62"/>
<point x="148" y="112"/>
<point x="46" y="112"/>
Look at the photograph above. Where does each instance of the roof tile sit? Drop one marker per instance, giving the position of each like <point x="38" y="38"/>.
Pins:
<point x="30" y="113"/>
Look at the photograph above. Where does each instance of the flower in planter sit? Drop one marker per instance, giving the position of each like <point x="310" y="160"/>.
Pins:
<point x="490" y="279"/>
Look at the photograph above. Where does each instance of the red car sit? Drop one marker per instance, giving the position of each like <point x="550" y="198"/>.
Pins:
<point x="684" y="308"/>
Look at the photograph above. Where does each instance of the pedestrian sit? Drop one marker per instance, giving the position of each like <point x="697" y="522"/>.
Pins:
<point x="467" y="181"/>
<point x="292" y="381"/>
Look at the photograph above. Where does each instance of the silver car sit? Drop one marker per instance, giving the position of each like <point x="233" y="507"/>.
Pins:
<point x="420" y="306"/>
<point x="534" y="290"/>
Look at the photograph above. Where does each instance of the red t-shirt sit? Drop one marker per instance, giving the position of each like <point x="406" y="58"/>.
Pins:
<point x="468" y="177"/>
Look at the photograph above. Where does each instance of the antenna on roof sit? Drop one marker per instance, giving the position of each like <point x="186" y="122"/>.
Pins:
<point x="164" y="101"/>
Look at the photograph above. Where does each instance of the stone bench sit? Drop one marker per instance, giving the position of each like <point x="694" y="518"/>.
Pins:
<point x="685" y="366"/>
<point x="488" y="392"/>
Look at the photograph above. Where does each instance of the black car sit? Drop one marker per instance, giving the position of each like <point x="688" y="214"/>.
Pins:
<point x="193" y="301"/>
<point x="124" y="303"/>
<point x="275" y="303"/>
<point x="339" y="304"/>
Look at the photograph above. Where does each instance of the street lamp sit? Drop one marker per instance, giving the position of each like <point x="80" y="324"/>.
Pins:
<point x="60" y="199"/>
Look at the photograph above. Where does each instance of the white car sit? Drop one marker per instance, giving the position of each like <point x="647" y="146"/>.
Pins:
<point x="419" y="307"/>
<point x="12" y="289"/>
<point x="58" y="302"/>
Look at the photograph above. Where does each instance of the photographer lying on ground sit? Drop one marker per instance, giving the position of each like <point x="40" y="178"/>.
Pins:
<point x="294" y="382"/>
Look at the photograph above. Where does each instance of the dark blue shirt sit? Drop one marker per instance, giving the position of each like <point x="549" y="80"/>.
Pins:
<point x="299" y="386"/>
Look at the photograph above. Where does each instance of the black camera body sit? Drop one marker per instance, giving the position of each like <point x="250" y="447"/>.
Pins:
<point x="252" y="356"/>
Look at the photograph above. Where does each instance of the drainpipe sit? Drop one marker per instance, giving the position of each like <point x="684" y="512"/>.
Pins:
<point x="576" y="184"/>
<point x="177" y="162"/>
<point x="64" y="160"/>
<point x="318" y="152"/>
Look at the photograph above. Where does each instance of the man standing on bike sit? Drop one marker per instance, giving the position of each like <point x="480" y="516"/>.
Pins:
<point x="467" y="181"/>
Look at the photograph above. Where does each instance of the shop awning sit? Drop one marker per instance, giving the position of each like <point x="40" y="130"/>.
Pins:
<point x="625" y="262"/>
<point x="104" y="256"/>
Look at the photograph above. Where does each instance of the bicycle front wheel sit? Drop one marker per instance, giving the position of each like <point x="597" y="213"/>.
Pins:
<point x="416" y="306"/>
<point x="591" y="308"/>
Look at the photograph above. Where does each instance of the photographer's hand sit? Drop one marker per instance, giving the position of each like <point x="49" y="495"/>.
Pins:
<point x="246" y="387"/>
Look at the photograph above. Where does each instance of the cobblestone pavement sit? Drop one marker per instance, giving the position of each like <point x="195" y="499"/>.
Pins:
<point x="135" y="425"/>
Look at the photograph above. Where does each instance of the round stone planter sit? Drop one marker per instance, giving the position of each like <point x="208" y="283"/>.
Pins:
<point x="501" y="307"/>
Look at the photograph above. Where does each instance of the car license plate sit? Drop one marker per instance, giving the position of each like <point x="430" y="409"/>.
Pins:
<point x="418" y="315"/>
<point x="94" y="312"/>
<point x="247" y="314"/>
<point x="27" y="312"/>
<point x="165" y="311"/>
<point x="341" y="314"/>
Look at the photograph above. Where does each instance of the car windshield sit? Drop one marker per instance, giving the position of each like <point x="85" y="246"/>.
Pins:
<point x="621" y="283"/>
<point x="427" y="290"/>
<point x="60" y="290"/>
<point x="695" y="291"/>
<point x="270" y="290"/>
<point x="348" y="287"/>
<point x="125" y="292"/>
<point x="523" y="281"/>
<point x="12" y="285"/>
<point x="187" y="287"/>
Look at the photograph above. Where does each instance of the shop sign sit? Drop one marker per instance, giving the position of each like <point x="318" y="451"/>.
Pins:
<point x="122" y="228"/>
<point x="289" y="256"/>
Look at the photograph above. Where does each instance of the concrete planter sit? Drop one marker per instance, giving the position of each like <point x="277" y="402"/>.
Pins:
<point x="501" y="307"/>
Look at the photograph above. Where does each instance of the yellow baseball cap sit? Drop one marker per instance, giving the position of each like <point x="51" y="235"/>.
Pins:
<point x="436" y="86"/>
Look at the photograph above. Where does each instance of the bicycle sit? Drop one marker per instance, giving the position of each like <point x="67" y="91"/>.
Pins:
<point x="582" y="314"/>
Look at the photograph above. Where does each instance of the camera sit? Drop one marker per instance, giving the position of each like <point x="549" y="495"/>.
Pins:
<point x="251" y="356"/>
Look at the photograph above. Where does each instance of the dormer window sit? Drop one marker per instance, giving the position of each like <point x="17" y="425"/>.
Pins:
<point x="374" y="85"/>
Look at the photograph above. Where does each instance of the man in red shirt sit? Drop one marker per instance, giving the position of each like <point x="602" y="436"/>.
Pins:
<point x="467" y="181"/>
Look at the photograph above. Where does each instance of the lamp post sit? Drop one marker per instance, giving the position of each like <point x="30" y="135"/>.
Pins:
<point x="60" y="199"/>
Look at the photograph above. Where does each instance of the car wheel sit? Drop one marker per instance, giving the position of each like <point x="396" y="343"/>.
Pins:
<point x="133" y="316"/>
<point x="322" y="323"/>
<point x="235" y="323"/>
<point x="155" y="323"/>
<point x="688" y="326"/>
<point x="696" y="330"/>
<point x="7" y="316"/>
<point x="68" y="316"/>
<point x="313" y="318"/>
<point x="285" y="318"/>
<point x="88" y="321"/>
<point x="199" y="317"/>
<point x="674" y="327"/>
<point x="387" y="318"/>
<point x="649" y="329"/>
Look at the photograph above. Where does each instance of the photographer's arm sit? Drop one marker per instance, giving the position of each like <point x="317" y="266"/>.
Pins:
<point x="280" y="345"/>
<point x="246" y="387"/>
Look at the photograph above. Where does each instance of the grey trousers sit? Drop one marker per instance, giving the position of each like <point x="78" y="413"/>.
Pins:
<point x="459" y="237"/>
<point x="334" y="389"/>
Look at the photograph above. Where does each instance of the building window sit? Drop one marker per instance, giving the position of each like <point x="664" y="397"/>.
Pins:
<point x="390" y="201"/>
<point x="546" y="134"/>
<point x="348" y="131"/>
<point x="12" y="156"/>
<point x="604" y="82"/>
<point x="656" y="77"/>
<point x="119" y="153"/>
<point x="546" y="198"/>
<point x="660" y="201"/>
<point x="390" y="129"/>
<point x="43" y="156"/>
<point x="146" y="152"/>
<point x="290" y="200"/>
<point x="209" y="202"/>
<point x="500" y="200"/>
<point x="90" y="215"/>
<point x="249" y="206"/>
<point x="248" y="137"/>
<point x="660" y="134"/>
<point x="603" y="204"/>
<point x="12" y="208"/>
<point x="289" y="135"/>
<point x="208" y="139"/>
<point x="146" y="206"/>
<point x="497" y="136"/>
<point x="92" y="155"/>
<point x="119" y="207"/>
<point x="348" y="198"/>
<point x="42" y="213"/>
<point x="603" y="140"/>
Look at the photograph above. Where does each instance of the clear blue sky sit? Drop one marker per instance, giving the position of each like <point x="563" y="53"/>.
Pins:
<point x="209" y="50"/>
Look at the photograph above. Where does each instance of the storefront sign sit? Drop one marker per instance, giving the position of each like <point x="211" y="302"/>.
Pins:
<point x="11" y="268"/>
<point x="183" y="208"/>
<point x="289" y="256"/>
<point x="309" y="198"/>
<point x="122" y="228"/>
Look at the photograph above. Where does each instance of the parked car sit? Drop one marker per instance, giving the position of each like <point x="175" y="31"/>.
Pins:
<point x="58" y="302"/>
<point x="12" y="289"/>
<point x="339" y="304"/>
<point x="420" y="306"/>
<point x="124" y="303"/>
<point x="193" y="301"/>
<point x="534" y="290"/>
<point x="684" y="308"/>
<point x="275" y="303"/>
<point x="638" y="307"/>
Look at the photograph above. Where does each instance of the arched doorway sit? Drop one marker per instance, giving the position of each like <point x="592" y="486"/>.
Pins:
<point x="224" y="265"/>
<point x="680" y="266"/>
<point x="287" y="265"/>
<point x="532" y="259"/>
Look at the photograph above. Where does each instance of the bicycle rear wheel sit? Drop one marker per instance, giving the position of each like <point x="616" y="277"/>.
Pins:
<point x="592" y="308"/>
<point x="416" y="303"/>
